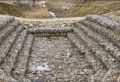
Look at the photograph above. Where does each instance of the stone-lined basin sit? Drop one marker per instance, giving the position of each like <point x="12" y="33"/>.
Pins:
<point x="87" y="51"/>
<point x="55" y="59"/>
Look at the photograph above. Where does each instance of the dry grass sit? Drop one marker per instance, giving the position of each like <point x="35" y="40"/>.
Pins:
<point x="37" y="13"/>
<point x="97" y="7"/>
<point x="117" y="13"/>
<point x="23" y="11"/>
<point x="15" y="10"/>
<point x="90" y="7"/>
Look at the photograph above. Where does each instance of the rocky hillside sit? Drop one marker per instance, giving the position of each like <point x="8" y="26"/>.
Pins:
<point x="85" y="51"/>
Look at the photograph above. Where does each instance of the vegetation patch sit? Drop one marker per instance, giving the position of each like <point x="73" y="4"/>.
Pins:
<point x="14" y="10"/>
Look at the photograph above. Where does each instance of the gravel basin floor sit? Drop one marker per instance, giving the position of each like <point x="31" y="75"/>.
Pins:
<point x="55" y="59"/>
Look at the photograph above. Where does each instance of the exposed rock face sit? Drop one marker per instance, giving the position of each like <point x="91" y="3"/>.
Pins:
<point x="85" y="51"/>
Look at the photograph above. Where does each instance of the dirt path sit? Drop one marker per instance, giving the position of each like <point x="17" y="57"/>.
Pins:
<point x="53" y="20"/>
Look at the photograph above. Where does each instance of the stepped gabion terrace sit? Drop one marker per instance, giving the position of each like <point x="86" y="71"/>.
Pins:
<point x="85" y="51"/>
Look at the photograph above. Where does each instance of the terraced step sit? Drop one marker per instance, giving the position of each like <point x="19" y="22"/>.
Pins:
<point x="49" y="30"/>
<point x="99" y="51"/>
<point x="7" y="30"/>
<point x="104" y="56"/>
<point x="94" y="62"/>
<point x="109" y="34"/>
<point x="105" y="22"/>
<point x="112" y="75"/>
<point x="101" y="40"/>
<point x="118" y="80"/>
<point x="7" y="43"/>
<point x="5" y="20"/>
<point x="98" y="67"/>
<point x="4" y="77"/>
<point x="20" y="66"/>
<point x="13" y="53"/>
